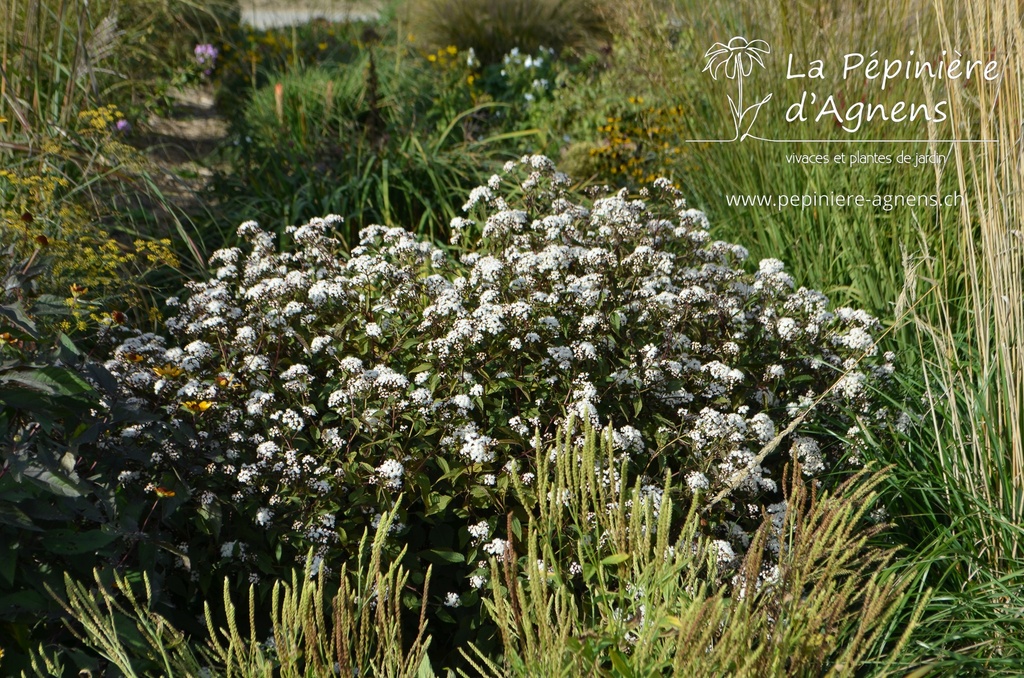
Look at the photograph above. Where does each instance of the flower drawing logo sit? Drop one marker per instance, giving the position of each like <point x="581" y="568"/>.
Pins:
<point x="737" y="60"/>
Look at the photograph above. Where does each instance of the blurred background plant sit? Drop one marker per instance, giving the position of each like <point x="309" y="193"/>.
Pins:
<point x="495" y="29"/>
<point x="389" y="137"/>
<point x="58" y="204"/>
<point x="63" y="56"/>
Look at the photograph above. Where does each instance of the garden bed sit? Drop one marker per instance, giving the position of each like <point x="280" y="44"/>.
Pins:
<point x="438" y="337"/>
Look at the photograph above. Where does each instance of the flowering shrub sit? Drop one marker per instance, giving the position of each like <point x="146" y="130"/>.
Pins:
<point x="635" y="144"/>
<point x="307" y="390"/>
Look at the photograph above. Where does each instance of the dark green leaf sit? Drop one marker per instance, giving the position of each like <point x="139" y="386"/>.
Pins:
<point x="47" y="379"/>
<point x="15" y="517"/>
<point x="15" y="315"/>
<point x="62" y="485"/>
<point x="442" y="556"/>
<point x="8" y="562"/>
<point x="69" y="542"/>
<point x="68" y="352"/>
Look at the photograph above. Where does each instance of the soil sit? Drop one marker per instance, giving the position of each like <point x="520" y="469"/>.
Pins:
<point x="179" y="145"/>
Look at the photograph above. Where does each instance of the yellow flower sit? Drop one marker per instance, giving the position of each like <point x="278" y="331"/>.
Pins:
<point x="452" y="49"/>
<point x="322" y="46"/>
<point x="197" y="407"/>
<point x="431" y="57"/>
<point x="164" y="492"/>
<point x="168" y="371"/>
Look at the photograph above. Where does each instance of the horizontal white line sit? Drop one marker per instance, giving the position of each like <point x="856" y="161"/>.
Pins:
<point x="847" y="141"/>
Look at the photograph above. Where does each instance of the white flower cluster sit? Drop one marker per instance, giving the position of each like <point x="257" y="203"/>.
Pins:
<point x="519" y="66"/>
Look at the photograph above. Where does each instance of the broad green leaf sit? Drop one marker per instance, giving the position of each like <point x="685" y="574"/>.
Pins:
<point x="517" y="528"/>
<point x="425" y="670"/>
<point x="615" y="559"/>
<point x="619" y="663"/>
<point x="8" y="562"/>
<point x="49" y="304"/>
<point x="67" y="487"/>
<point x="16" y="316"/>
<point x="68" y="351"/>
<point x="23" y="601"/>
<point x="438" y="503"/>
<point x="15" y="517"/>
<point x="47" y="379"/>
<point x="442" y="556"/>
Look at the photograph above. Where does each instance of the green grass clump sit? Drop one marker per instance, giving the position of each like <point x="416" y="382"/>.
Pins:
<point x="961" y="481"/>
<point x="493" y="29"/>
<point x="391" y="137"/>
<point x="611" y="586"/>
<point x="651" y="107"/>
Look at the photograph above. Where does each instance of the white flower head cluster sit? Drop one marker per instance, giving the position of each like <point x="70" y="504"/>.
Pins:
<point x="390" y="474"/>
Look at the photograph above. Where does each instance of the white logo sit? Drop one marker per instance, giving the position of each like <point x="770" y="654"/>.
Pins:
<point x="737" y="59"/>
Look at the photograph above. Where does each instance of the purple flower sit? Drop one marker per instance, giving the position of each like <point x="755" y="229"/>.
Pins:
<point x="206" y="54"/>
<point x="123" y="126"/>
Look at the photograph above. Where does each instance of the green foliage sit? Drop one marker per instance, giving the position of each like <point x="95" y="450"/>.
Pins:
<point x="358" y="633"/>
<point x="627" y="133"/>
<point x="58" y="503"/>
<point x="63" y="56"/>
<point x="493" y="29"/>
<point x="381" y="125"/>
<point x="390" y="137"/>
<point x="55" y="202"/>
<point x="611" y="583"/>
<point x="959" y="483"/>
<point x="70" y="179"/>
<point x="251" y="59"/>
